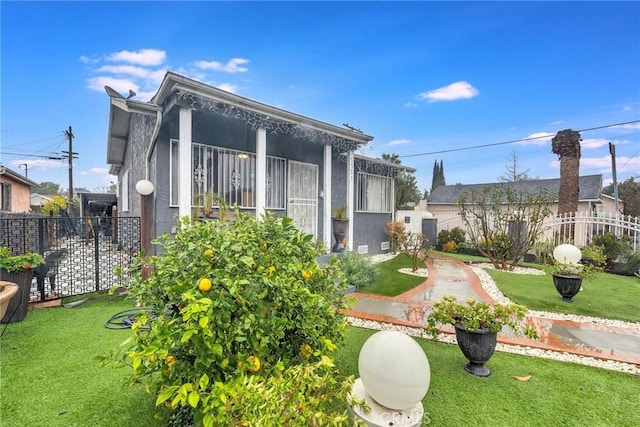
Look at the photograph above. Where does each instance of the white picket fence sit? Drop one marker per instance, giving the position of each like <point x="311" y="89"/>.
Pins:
<point x="586" y="226"/>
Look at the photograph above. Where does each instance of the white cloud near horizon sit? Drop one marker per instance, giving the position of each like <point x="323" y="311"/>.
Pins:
<point x="452" y="92"/>
<point x="232" y="66"/>
<point x="155" y="76"/>
<point x="95" y="171"/>
<point x="118" y="84"/>
<point x="537" y="138"/>
<point x="39" y="164"/>
<point x="229" y="87"/>
<point x="399" y="142"/>
<point x="593" y="143"/>
<point x="628" y="126"/>
<point x="603" y="164"/>
<point x="147" y="57"/>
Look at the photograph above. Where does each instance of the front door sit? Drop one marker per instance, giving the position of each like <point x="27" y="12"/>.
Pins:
<point x="303" y="196"/>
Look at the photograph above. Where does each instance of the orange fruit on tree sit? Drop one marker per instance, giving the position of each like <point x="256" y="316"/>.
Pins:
<point x="208" y="253"/>
<point x="254" y="364"/>
<point x="204" y="284"/>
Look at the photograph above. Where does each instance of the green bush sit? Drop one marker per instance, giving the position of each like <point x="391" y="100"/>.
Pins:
<point x="234" y="299"/>
<point x="544" y="252"/>
<point x="456" y="235"/>
<point x="357" y="269"/>
<point x="630" y="263"/>
<point x="612" y="246"/>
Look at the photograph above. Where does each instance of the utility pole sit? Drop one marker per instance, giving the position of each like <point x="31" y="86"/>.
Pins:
<point x="70" y="155"/>
<point x="26" y="169"/>
<point x="612" y="151"/>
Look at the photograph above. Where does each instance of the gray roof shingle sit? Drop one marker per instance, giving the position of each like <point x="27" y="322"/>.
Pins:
<point x="590" y="189"/>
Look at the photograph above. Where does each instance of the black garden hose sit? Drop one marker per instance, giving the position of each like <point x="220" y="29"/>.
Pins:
<point x="124" y="319"/>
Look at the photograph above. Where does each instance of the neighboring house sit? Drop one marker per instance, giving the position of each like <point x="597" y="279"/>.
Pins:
<point x="15" y="194"/>
<point x="38" y="201"/>
<point x="192" y="138"/>
<point x="442" y="200"/>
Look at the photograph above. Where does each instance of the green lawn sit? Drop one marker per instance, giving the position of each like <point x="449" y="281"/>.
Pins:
<point x="49" y="377"/>
<point x="391" y="283"/>
<point x="558" y="394"/>
<point x="608" y="295"/>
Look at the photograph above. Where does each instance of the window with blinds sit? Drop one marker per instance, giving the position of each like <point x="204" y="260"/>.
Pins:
<point x="373" y="193"/>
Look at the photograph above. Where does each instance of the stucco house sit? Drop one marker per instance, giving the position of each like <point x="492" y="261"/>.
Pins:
<point x="192" y="139"/>
<point x="15" y="191"/>
<point x="442" y="200"/>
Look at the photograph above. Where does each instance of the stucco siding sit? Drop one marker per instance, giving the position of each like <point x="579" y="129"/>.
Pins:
<point x="369" y="230"/>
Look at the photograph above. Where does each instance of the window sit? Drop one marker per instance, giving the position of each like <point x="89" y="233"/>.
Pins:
<point x="373" y="193"/>
<point x="230" y="174"/>
<point x="6" y="197"/>
<point x="124" y="192"/>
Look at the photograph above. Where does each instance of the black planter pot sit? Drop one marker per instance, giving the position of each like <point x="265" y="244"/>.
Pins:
<point x="567" y="286"/>
<point x="19" y="303"/>
<point x="477" y="347"/>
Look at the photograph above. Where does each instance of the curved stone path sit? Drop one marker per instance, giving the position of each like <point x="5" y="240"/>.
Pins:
<point x="574" y="339"/>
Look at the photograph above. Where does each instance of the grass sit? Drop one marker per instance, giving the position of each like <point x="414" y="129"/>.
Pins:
<point x="391" y="283"/>
<point x="557" y="394"/>
<point x="608" y="295"/>
<point x="49" y="377"/>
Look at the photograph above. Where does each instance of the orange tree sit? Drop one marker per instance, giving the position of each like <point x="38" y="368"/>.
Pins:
<point x="236" y="299"/>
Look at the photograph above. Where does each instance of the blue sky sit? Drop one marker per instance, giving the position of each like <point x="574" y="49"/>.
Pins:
<point x="421" y="77"/>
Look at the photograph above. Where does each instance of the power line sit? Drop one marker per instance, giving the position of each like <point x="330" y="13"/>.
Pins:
<point x="32" y="155"/>
<point x="512" y="141"/>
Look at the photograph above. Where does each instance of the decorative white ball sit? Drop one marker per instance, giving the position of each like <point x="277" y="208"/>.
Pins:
<point x="144" y="187"/>
<point x="394" y="369"/>
<point x="567" y="254"/>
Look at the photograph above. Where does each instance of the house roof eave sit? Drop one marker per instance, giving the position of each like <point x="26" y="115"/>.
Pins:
<point x="17" y="177"/>
<point x="120" y="111"/>
<point x="173" y="83"/>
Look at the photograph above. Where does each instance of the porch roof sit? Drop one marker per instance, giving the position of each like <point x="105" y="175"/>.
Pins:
<point x="176" y="89"/>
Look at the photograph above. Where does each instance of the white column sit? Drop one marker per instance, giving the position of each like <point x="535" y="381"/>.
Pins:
<point x="350" y="192"/>
<point x="393" y="199"/>
<point x="326" y="189"/>
<point x="185" y="167"/>
<point x="261" y="172"/>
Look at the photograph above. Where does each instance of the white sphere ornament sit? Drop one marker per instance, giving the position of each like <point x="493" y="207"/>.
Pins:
<point x="144" y="187"/>
<point x="567" y="254"/>
<point x="394" y="369"/>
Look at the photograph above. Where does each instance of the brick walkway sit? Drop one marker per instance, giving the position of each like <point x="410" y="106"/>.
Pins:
<point x="451" y="277"/>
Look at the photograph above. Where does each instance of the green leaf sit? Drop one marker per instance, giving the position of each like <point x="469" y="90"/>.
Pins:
<point x="187" y="335"/>
<point x="204" y="381"/>
<point x="193" y="399"/>
<point x="203" y="322"/>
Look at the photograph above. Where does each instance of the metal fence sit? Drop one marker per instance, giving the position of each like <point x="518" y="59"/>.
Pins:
<point x="82" y="254"/>
<point x="585" y="225"/>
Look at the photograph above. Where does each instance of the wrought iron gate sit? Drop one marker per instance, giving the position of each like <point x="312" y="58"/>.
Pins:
<point x="82" y="255"/>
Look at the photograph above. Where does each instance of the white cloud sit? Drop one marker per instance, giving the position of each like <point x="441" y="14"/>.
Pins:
<point x="141" y="57"/>
<point x="39" y="164"/>
<point x="95" y="171"/>
<point x="154" y="76"/>
<point x="120" y="85"/>
<point x="232" y="66"/>
<point x="627" y="108"/>
<point x="457" y="90"/>
<point x="593" y="143"/>
<point x="229" y="87"/>
<point x="603" y="164"/>
<point x="399" y="142"/>
<point x="538" y="138"/>
<point x="629" y="126"/>
<point x="557" y="122"/>
<point x="410" y="104"/>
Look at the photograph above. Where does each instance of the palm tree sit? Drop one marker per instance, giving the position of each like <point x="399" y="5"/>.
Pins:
<point x="566" y="144"/>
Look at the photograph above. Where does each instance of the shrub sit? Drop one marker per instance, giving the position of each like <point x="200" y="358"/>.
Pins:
<point x="396" y="233"/>
<point x="630" y="263"/>
<point x="13" y="263"/>
<point x="544" y="252"/>
<point x="612" y="246"/>
<point x="455" y="234"/>
<point x="358" y="270"/>
<point x="56" y="205"/>
<point x="232" y="299"/>
<point x="413" y="246"/>
<point x="594" y="255"/>
<point x="450" y="247"/>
